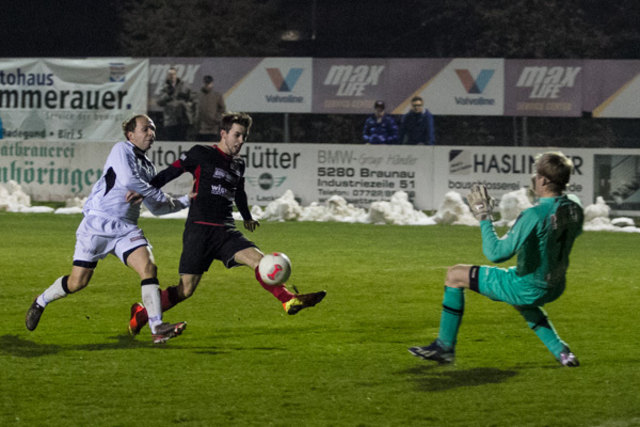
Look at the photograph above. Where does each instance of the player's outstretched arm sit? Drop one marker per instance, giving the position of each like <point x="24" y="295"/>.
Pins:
<point x="166" y="175"/>
<point x="167" y="204"/>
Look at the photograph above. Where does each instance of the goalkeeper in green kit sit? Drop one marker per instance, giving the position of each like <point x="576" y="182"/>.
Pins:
<point x="542" y="238"/>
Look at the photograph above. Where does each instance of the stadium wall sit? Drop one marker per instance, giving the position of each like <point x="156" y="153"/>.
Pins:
<point x="361" y="174"/>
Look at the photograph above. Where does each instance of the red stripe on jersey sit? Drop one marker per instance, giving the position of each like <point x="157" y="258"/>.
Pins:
<point x="222" y="152"/>
<point x="177" y="164"/>
<point x="208" y="223"/>
<point x="196" y="182"/>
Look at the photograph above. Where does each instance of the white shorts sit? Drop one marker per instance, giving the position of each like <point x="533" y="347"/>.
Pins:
<point x="98" y="236"/>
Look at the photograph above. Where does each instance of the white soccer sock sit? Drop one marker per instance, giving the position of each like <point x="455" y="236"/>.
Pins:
<point x="153" y="304"/>
<point x="52" y="293"/>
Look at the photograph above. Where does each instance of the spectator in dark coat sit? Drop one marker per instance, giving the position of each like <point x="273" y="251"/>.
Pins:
<point x="176" y="100"/>
<point x="380" y="128"/>
<point x="416" y="127"/>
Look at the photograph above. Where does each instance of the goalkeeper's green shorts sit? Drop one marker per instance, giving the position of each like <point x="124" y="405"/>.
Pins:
<point x="502" y="284"/>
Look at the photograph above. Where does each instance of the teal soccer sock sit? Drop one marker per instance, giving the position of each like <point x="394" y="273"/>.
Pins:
<point x="540" y="324"/>
<point x="452" y="310"/>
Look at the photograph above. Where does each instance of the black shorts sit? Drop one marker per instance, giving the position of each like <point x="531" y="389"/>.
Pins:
<point x="201" y="244"/>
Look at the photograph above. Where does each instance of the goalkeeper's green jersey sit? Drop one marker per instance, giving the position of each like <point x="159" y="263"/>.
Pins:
<point x="542" y="237"/>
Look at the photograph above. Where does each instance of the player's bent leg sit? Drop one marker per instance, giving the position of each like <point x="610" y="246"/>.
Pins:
<point x="169" y="297"/>
<point x="442" y="350"/>
<point x="141" y="260"/>
<point x="186" y="288"/>
<point x="249" y="256"/>
<point x="451" y="316"/>
<point x="538" y="321"/>
<point x="292" y="303"/>
<point x="61" y="287"/>
<point x="458" y="276"/>
<point x="81" y="274"/>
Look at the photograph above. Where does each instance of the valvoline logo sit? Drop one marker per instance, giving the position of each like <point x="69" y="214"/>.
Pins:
<point x="284" y="84"/>
<point x="477" y="85"/>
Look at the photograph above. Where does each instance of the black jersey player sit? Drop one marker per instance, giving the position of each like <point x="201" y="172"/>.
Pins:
<point x="210" y="231"/>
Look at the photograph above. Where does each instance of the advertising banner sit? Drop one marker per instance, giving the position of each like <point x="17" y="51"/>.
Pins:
<point x="503" y="170"/>
<point x="613" y="88"/>
<point x="60" y="170"/>
<point x="281" y="85"/>
<point x="448" y="86"/>
<point x="247" y="84"/>
<point x="543" y="88"/>
<point x="361" y="174"/>
<point x="467" y="86"/>
<point x="413" y="77"/>
<point x="616" y="179"/>
<point x="348" y="86"/>
<point x="70" y="99"/>
<point x="314" y="172"/>
<point x="226" y="73"/>
<point x="52" y="170"/>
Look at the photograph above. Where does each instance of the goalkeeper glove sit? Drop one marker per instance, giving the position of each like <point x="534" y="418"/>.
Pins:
<point x="480" y="203"/>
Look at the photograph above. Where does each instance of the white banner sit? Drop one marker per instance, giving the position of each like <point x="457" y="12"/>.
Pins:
<point x="504" y="169"/>
<point x="280" y="85"/>
<point x="70" y="99"/>
<point x="60" y="170"/>
<point x="467" y="86"/>
<point x="361" y="174"/>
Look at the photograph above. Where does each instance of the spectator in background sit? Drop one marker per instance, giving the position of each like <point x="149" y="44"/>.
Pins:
<point x="380" y="128"/>
<point x="177" y="102"/>
<point x="211" y="107"/>
<point x="416" y="127"/>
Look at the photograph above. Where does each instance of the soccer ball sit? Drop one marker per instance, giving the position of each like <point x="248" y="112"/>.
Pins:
<point x="274" y="268"/>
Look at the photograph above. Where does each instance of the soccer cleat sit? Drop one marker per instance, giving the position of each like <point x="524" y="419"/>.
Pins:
<point x="434" y="351"/>
<point x="301" y="301"/>
<point x="138" y="319"/>
<point x="568" y="359"/>
<point x="33" y="316"/>
<point x="165" y="331"/>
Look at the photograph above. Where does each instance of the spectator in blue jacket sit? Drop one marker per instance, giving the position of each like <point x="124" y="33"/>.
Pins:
<point x="380" y="128"/>
<point x="416" y="127"/>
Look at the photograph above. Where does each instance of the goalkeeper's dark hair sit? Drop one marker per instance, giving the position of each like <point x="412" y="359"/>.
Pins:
<point x="556" y="167"/>
<point x="130" y="124"/>
<point x="243" y="119"/>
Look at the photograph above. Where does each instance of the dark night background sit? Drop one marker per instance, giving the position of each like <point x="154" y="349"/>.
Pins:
<point x="333" y="28"/>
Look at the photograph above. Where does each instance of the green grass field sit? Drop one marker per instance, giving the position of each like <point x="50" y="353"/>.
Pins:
<point x="242" y="361"/>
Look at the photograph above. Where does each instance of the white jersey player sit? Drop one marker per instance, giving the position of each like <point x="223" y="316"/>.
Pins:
<point x="110" y="226"/>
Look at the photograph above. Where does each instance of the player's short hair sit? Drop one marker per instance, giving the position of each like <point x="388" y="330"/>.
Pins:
<point x="416" y="98"/>
<point x="130" y="124"/>
<point x="556" y="167"/>
<point x="243" y="119"/>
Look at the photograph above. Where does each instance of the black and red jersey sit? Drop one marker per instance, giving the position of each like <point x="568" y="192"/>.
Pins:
<point x="218" y="183"/>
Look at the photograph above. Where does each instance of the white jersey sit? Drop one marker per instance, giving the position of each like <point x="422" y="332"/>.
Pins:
<point x="128" y="168"/>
